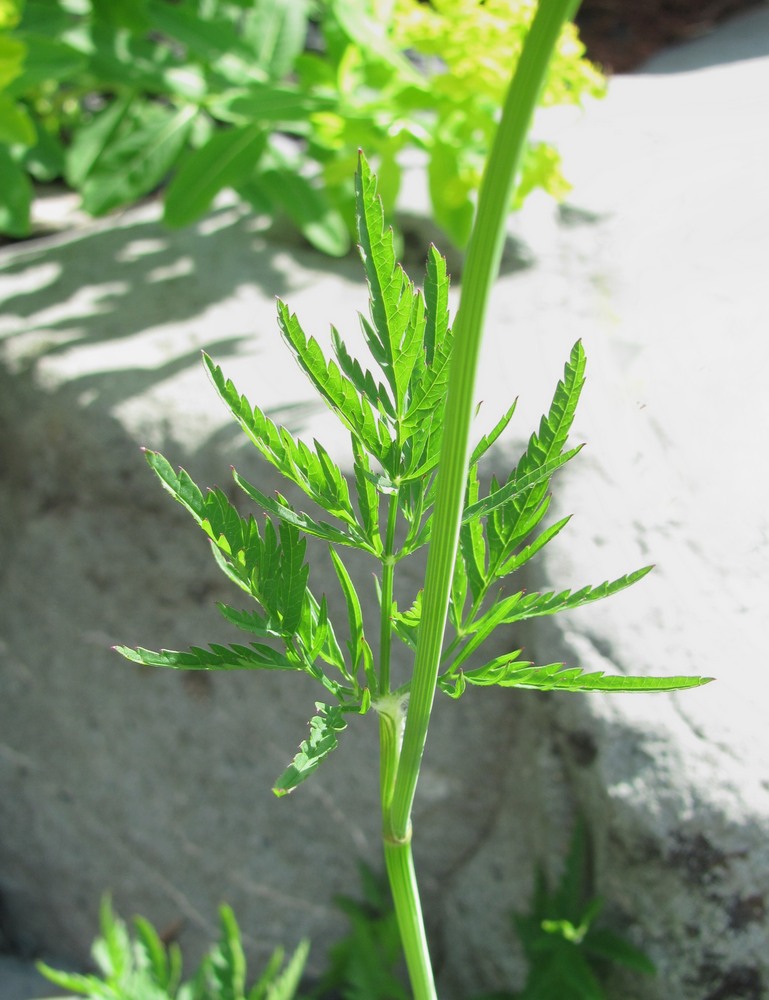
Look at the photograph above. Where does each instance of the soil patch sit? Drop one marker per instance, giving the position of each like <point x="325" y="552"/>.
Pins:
<point x="620" y="36"/>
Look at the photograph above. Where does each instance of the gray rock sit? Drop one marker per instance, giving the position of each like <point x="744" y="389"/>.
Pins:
<point x="21" y="981"/>
<point x="156" y="786"/>
<point x="674" y="788"/>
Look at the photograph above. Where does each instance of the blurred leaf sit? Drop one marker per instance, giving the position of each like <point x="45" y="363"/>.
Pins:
<point x="281" y="985"/>
<point x="605" y="944"/>
<point x="450" y="193"/>
<point x="46" y="17"/>
<point x="10" y="13"/>
<point x="47" y="60"/>
<point x="45" y="159"/>
<point x="267" y="102"/>
<point x="15" y="197"/>
<point x="308" y="208"/>
<point x="92" y="139"/>
<point x="226" y="160"/>
<point x="204" y="37"/>
<point x="227" y="959"/>
<point x="370" y="35"/>
<point x="162" y="964"/>
<point x="12" y="56"/>
<point x="364" y="964"/>
<point x="140" y="967"/>
<point x="276" y="31"/>
<point x="541" y="169"/>
<point x="16" y="126"/>
<point x="557" y="931"/>
<point x="130" y="14"/>
<point x="119" y="61"/>
<point x="135" y="164"/>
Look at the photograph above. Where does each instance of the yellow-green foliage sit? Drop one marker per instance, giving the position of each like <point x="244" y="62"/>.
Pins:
<point x="478" y="41"/>
<point x="472" y="46"/>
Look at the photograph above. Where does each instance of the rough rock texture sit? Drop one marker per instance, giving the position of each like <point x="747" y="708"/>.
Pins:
<point x="157" y="785"/>
<point x="21" y="981"/>
<point x="675" y="415"/>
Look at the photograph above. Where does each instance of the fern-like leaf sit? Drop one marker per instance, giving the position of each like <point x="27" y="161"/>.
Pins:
<point x="227" y="961"/>
<point x="396" y="333"/>
<point x="520" y="483"/>
<point x="339" y="393"/>
<point x="508" y="672"/>
<point x="311" y="470"/>
<point x="555" y="426"/>
<point x="322" y="740"/>
<point x="492" y="437"/>
<point x="255" y="656"/>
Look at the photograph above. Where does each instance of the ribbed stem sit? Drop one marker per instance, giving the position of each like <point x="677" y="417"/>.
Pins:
<point x="388" y="573"/>
<point x="408" y="910"/>
<point x="481" y="269"/>
<point x="400" y="766"/>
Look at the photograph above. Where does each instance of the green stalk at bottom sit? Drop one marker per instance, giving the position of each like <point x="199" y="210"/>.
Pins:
<point x="400" y="864"/>
<point x="408" y="910"/>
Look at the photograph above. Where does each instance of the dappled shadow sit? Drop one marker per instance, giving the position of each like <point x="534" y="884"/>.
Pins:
<point x="100" y="317"/>
<point x="107" y="283"/>
<point x="120" y="310"/>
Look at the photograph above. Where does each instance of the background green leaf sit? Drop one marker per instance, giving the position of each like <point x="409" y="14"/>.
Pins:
<point x="135" y="164"/>
<point x="226" y="160"/>
<point x="15" y="197"/>
<point x="93" y="138"/>
<point x="308" y="207"/>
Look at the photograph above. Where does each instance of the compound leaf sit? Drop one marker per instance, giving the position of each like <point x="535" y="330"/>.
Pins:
<point x="508" y="671"/>
<point x="395" y="336"/>
<point x="255" y="656"/>
<point x="312" y="752"/>
<point x="522" y="480"/>
<point x="363" y="381"/>
<point x="555" y="426"/>
<point x="338" y="392"/>
<point x="489" y="439"/>
<point x="294" y="573"/>
<point x="357" y="645"/>
<point x="535" y="605"/>
<point x="281" y="509"/>
<point x="368" y="497"/>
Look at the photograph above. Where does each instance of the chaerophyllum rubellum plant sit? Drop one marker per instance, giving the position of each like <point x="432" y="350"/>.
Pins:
<point x="415" y="486"/>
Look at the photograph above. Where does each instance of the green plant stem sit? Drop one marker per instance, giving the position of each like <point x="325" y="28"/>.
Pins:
<point x="400" y="864"/>
<point x="388" y="574"/>
<point x="408" y="910"/>
<point x="481" y="269"/>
